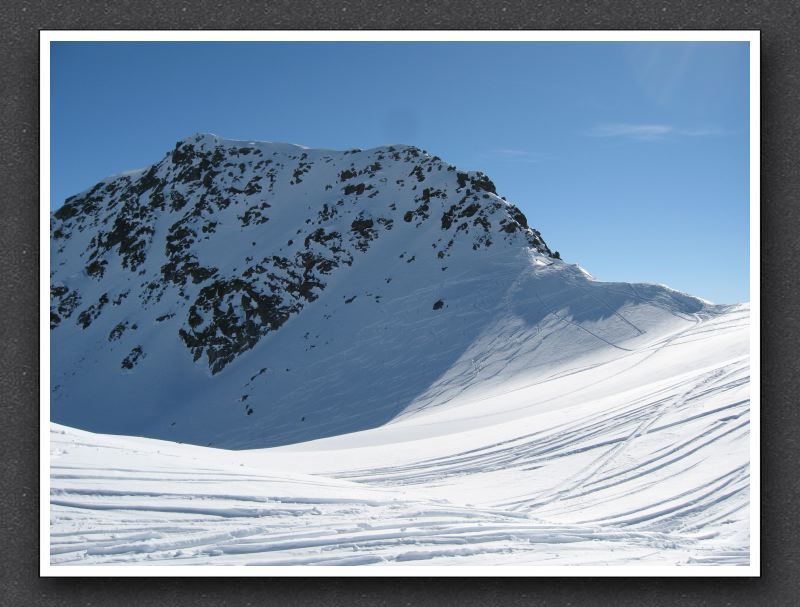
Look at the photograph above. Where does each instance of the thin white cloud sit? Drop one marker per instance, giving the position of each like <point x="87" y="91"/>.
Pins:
<point x="631" y="131"/>
<point x="649" y="132"/>
<point x="708" y="132"/>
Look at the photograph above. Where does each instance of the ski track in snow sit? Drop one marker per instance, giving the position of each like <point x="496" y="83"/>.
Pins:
<point x="399" y="369"/>
<point x="626" y="471"/>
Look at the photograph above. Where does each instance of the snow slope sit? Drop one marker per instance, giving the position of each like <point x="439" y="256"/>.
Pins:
<point x="639" y="459"/>
<point x="237" y="294"/>
<point x="407" y="372"/>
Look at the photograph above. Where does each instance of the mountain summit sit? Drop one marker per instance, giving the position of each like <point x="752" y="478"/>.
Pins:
<point x="249" y="294"/>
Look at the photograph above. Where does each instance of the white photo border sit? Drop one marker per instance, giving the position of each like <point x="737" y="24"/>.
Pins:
<point x="47" y="37"/>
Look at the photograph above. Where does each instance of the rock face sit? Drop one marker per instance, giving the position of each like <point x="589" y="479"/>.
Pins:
<point x="249" y="294"/>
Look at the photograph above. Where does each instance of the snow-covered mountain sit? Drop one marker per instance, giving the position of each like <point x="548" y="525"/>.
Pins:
<point x="432" y="382"/>
<point x="247" y="294"/>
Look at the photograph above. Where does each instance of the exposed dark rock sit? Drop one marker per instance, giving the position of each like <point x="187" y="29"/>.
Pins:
<point x="132" y="359"/>
<point x="172" y="208"/>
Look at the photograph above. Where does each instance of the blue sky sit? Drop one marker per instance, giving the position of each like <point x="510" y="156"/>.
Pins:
<point x="630" y="158"/>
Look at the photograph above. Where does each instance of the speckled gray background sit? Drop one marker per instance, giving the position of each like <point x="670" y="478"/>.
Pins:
<point x="779" y="23"/>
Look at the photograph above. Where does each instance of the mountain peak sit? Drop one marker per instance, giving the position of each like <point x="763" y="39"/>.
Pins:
<point x="226" y="280"/>
<point x="210" y="142"/>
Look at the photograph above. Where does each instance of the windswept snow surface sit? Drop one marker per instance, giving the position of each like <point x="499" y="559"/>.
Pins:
<point x="636" y="455"/>
<point x="370" y="357"/>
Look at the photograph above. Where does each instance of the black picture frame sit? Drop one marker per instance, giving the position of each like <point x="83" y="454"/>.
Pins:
<point x="19" y="321"/>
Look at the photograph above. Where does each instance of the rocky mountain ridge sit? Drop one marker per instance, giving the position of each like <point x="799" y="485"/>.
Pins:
<point x="249" y="294"/>
<point x="178" y="209"/>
